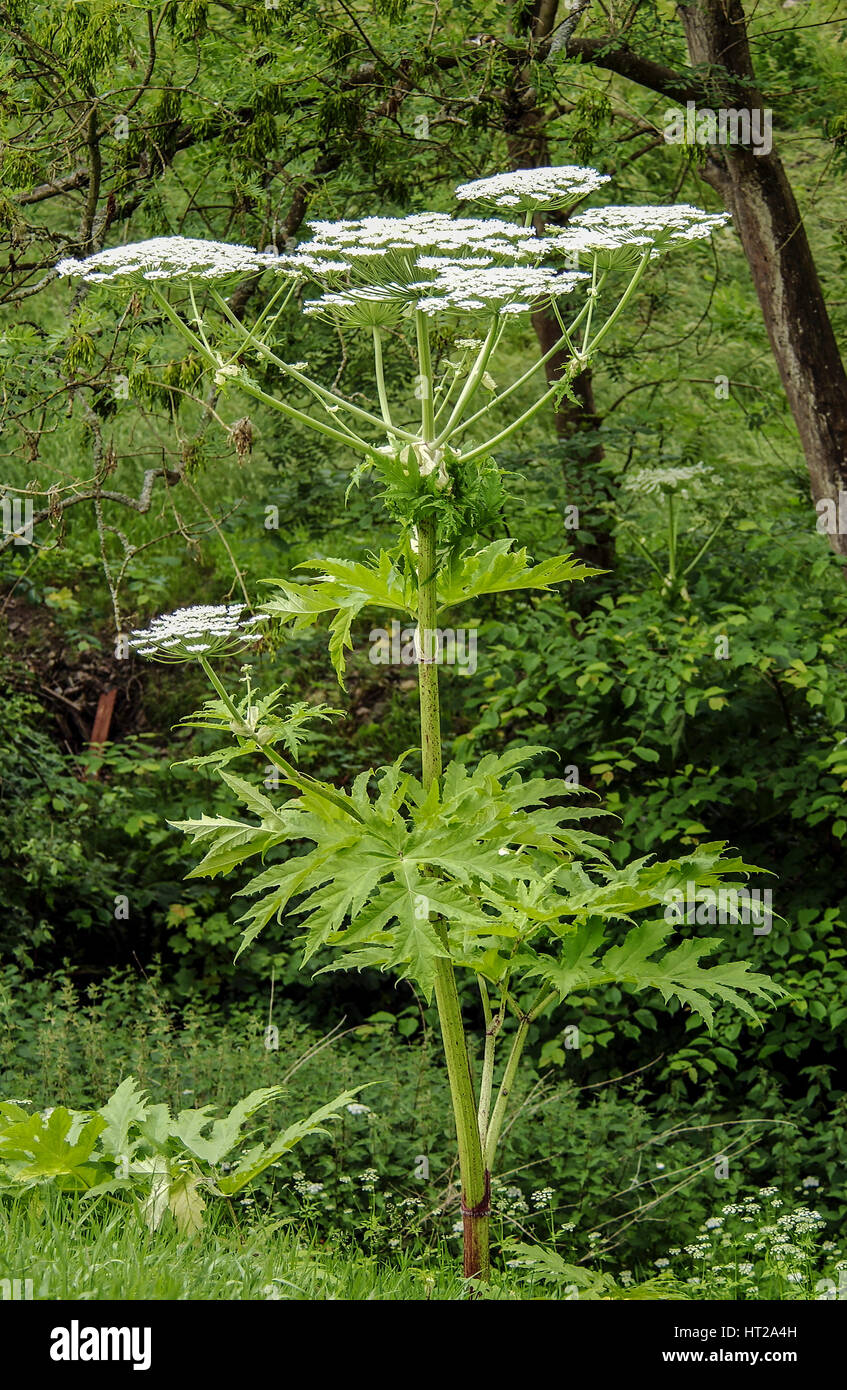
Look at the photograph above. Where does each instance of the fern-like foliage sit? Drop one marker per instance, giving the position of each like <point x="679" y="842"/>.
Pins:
<point x="341" y="589"/>
<point x="492" y="867"/>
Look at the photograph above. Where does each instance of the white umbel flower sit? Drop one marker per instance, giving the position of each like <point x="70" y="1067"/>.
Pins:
<point x="662" y="223"/>
<point x="205" y="630"/>
<point x="455" y="286"/>
<point x="508" y="289"/>
<point x="534" y="190"/>
<point x="372" y="306"/>
<point x="618" y="236"/>
<point x="188" y="258"/>
<point x="419" y="233"/>
<point x="654" y="480"/>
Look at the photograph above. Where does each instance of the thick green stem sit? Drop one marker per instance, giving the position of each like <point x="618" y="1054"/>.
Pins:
<point x="474" y="1178"/>
<point x="539" y="362"/>
<point x="474" y="1175"/>
<point x="621" y="304"/>
<point x="486" y="1086"/>
<point x="592" y="300"/>
<point x="380" y="381"/>
<point x="474" y="378"/>
<point x="427" y="644"/>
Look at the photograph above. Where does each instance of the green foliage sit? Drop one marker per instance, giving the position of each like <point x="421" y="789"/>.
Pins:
<point x="346" y="587"/>
<point x="687" y="748"/>
<point x="131" y="1147"/>
<point x="618" y="1149"/>
<point x="484" y="870"/>
<point x="469" y="503"/>
<point x="567" y="1281"/>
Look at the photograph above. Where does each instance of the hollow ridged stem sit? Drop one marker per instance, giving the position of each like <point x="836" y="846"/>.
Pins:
<point x="474" y="1178"/>
<point x="380" y="381"/>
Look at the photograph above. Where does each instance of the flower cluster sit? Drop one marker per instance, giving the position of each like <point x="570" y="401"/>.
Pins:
<point x="167" y="258"/>
<point x="536" y="190"/>
<point x="510" y="289"/>
<point x="178" y="257"/>
<point x="205" y="630"/>
<point x="373" y="270"/>
<point x="615" y="234"/>
<point x="654" y="480"/>
<point x="776" y="1253"/>
<point x="420" y="233"/>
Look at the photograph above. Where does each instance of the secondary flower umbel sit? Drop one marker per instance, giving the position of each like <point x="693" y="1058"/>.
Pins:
<point x="534" y="190"/>
<point x="173" y="257"/>
<point x="205" y="630"/>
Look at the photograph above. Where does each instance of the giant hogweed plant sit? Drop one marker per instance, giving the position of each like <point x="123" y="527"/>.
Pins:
<point x="427" y="870"/>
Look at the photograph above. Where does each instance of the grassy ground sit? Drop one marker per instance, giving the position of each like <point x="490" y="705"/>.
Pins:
<point x="349" y="1216"/>
<point x="57" y="1247"/>
<point x="69" y="1251"/>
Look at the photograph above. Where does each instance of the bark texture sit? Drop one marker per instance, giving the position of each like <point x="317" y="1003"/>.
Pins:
<point x="755" y="189"/>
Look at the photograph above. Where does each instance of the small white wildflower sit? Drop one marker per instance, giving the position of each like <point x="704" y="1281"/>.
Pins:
<point x="542" y="1197"/>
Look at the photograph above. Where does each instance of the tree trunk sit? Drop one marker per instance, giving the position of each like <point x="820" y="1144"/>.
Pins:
<point x="525" y="126"/>
<point x="756" y="191"/>
<point x="577" y="429"/>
